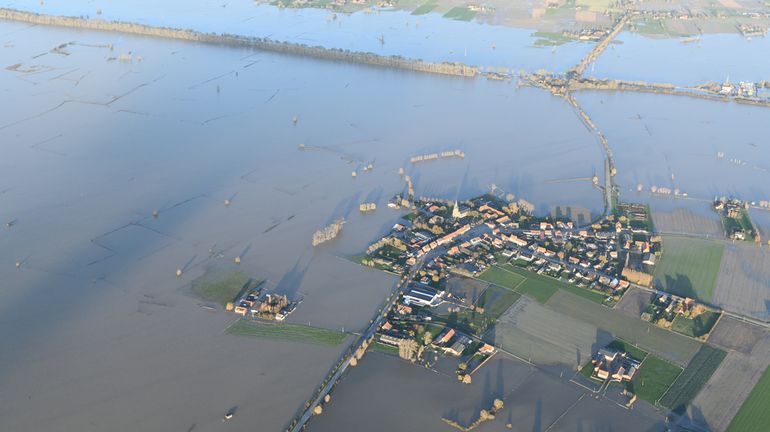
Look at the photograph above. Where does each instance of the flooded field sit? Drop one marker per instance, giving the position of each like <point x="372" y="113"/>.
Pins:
<point x="428" y="37"/>
<point x="542" y="336"/>
<point x="712" y="57"/>
<point x="133" y="166"/>
<point x="743" y="285"/>
<point x="401" y="396"/>
<point x="686" y="221"/>
<point x="127" y="159"/>
<point x="674" y="142"/>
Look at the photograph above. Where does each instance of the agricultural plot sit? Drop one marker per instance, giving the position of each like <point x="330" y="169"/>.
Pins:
<point x="287" y="332"/>
<point x="684" y="221"/>
<point x="695" y="375"/>
<point x="634" y="302"/>
<point x="754" y="415"/>
<point x="722" y="396"/>
<point x="697" y="327"/>
<point x="653" y="378"/>
<point x="743" y="285"/>
<point x="735" y="335"/>
<point x="663" y="343"/>
<point x="689" y="267"/>
<point x="535" y="332"/>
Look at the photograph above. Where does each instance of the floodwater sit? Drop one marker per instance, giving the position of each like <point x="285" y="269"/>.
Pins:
<point x="385" y="393"/>
<point x="95" y="319"/>
<point x="386" y="32"/>
<point x="675" y="142"/>
<point x="713" y="57"/>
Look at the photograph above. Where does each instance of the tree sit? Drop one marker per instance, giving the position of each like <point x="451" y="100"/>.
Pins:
<point x="427" y="338"/>
<point x="407" y="349"/>
<point x="497" y="405"/>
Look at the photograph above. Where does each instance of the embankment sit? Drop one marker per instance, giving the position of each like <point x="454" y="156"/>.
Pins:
<point x="397" y="62"/>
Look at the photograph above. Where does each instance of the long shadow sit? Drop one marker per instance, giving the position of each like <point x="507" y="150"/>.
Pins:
<point x="292" y="279"/>
<point x="679" y="284"/>
<point x="344" y="207"/>
<point x="537" y="425"/>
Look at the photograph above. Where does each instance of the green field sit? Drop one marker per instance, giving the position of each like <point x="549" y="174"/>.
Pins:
<point x="694" y="377"/>
<point x="701" y="325"/>
<point x="653" y="378"/>
<point x="621" y="345"/>
<point x="424" y="8"/>
<point x="460" y="13"/>
<point x="663" y="343"/>
<point x="689" y="267"/>
<point x="287" y="332"/>
<point x="496" y="300"/>
<point x="541" y="287"/>
<point x="550" y="39"/>
<point x="754" y="414"/>
<point x="498" y="276"/>
<point x="222" y="287"/>
<point x="383" y="348"/>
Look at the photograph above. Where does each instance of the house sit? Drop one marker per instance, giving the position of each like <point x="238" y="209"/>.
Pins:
<point x="487" y="349"/>
<point x="444" y="337"/>
<point x="458" y="346"/>
<point x="615" y="365"/>
<point x="390" y="339"/>
<point x="649" y="259"/>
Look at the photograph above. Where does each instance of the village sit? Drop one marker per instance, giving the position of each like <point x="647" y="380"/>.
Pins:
<point x="433" y="323"/>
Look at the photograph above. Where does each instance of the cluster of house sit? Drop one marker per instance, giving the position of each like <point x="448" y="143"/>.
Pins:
<point x="587" y="34"/>
<point x="471" y="236"/>
<point x="268" y="306"/>
<point x="614" y="365"/>
<point x="396" y="331"/>
<point x="735" y="218"/>
<point x="744" y="88"/>
<point x="664" y="308"/>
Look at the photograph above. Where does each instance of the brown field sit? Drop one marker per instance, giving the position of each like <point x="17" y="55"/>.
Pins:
<point x="743" y="285"/>
<point x="736" y="335"/>
<point x="633" y="302"/>
<point x="666" y="344"/>
<point x="683" y="221"/>
<point x="724" y="393"/>
<point x="545" y="337"/>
